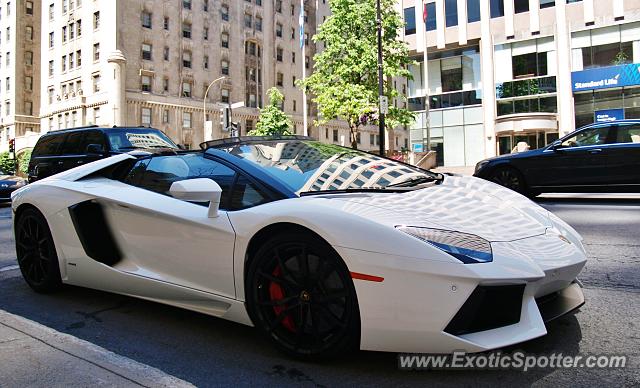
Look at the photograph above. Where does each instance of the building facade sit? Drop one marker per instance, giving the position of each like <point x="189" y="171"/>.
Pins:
<point x="19" y="72"/>
<point x="504" y="73"/>
<point x="150" y="63"/>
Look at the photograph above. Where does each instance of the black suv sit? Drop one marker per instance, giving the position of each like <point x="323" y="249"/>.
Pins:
<point x="58" y="151"/>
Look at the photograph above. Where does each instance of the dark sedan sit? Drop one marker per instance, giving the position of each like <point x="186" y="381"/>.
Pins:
<point x="596" y="158"/>
<point x="9" y="183"/>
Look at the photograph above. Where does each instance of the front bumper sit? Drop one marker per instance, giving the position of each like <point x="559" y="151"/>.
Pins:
<point x="410" y="310"/>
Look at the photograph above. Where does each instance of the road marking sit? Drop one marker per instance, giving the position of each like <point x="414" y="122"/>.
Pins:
<point x="9" y="268"/>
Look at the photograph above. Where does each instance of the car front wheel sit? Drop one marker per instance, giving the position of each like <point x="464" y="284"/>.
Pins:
<point x="509" y="178"/>
<point x="301" y="296"/>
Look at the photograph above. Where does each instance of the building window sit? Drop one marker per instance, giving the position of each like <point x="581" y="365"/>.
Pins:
<point x="497" y="8"/>
<point x="28" y="83"/>
<point x="28" y="107"/>
<point x="293" y="57"/>
<point x="186" y="59"/>
<point x="473" y="11"/>
<point x="307" y="62"/>
<point x="96" y="20"/>
<point x="258" y="23"/>
<point x="78" y="58"/>
<point x="146" y="51"/>
<point x="51" y="40"/>
<point x="410" y="21"/>
<point x="96" y="115"/>
<point x="7" y="84"/>
<point x="145" y="80"/>
<point x="205" y="62"/>
<point x="521" y="6"/>
<point x="165" y="116"/>
<point x="96" y="82"/>
<point x="279" y="30"/>
<point x="224" y="96"/>
<point x="96" y="52"/>
<point x="280" y="79"/>
<point x="28" y="58"/>
<point x="335" y="135"/>
<point x="145" y="117"/>
<point x="64" y="63"/>
<point x="551" y="3"/>
<point x="279" y="53"/>
<point x="451" y="12"/>
<point x="612" y="54"/>
<point x="71" y="61"/>
<point x="64" y="34"/>
<point x="295" y="106"/>
<point x="205" y="5"/>
<point x="248" y="125"/>
<point x="224" y="12"/>
<point x="431" y="17"/>
<point x="51" y="68"/>
<point x="248" y="20"/>
<point x="224" y="40"/>
<point x="79" y="28"/>
<point x="165" y="84"/>
<point x="186" y="4"/>
<point x="186" y="30"/>
<point x="51" y="11"/>
<point x="29" y="7"/>
<point x="28" y="31"/>
<point x="529" y="65"/>
<point x="205" y="33"/>
<point x="278" y="6"/>
<point x="50" y="95"/>
<point x="224" y="67"/>
<point x="165" y="23"/>
<point x="186" y="119"/>
<point x="146" y="19"/>
<point x="186" y="89"/>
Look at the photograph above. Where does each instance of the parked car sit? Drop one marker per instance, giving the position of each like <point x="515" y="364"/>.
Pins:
<point x="8" y="184"/>
<point x="596" y="158"/>
<point x="322" y="248"/>
<point x="58" y="151"/>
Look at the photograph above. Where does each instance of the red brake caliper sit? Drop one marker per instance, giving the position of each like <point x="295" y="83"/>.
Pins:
<point x="276" y="293"/>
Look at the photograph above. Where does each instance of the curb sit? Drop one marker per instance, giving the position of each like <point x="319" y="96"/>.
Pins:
<point x="86" y="352"/>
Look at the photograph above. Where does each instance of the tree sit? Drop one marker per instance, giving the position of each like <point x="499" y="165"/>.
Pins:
<point x="23" y="161"/>
<point x="273" y="121"/>
<point x="7" y="165"/>
<point x="345" y="73"/>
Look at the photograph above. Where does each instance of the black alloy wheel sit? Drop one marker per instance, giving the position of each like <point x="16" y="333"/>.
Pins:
<point x="36" y="252"/>
<point x="509" y="178"/>
<point x="301" y="296"/>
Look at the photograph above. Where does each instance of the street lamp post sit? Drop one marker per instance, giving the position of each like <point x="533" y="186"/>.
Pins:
<point x="380" y="80"/>
<point x="204" y="106"/>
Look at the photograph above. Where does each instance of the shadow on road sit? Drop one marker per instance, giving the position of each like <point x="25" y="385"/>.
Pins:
<point x="210" y="351"/>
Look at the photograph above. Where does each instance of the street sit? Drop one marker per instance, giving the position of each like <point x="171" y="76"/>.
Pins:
<point x="206" y="351"/>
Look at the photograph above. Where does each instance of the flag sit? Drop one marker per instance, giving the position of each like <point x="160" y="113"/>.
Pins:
<point x="301" y="22"/>
<point x="424" y="11"/>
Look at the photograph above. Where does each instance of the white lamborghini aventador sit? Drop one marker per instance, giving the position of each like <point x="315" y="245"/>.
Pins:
<point x="321" y="247"/>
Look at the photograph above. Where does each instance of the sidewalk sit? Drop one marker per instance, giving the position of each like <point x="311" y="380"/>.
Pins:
<point x="34" y="355"/>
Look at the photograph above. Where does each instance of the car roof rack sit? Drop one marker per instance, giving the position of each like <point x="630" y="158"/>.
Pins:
<point x="249" y="139"/>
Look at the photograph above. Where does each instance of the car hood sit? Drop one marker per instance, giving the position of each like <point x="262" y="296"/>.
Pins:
<point x="464" y="204"/>
<point x="10" y="178"/>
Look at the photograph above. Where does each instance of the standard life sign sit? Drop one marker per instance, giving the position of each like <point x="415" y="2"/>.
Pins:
<point x="606" y="77"/>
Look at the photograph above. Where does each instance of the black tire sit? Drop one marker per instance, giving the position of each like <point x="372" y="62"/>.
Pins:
<point x="510" y="178"/>
<point x="301" y="296"/>
<point x="36" y="252"/>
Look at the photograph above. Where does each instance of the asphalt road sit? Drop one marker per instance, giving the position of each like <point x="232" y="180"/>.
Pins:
<point x="210" y="352"/>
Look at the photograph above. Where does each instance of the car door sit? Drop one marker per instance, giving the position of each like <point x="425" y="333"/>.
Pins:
<point x="97" y="140"/>
<point x="579" y="160"/>
<point x="171" y="240"/>
<point x="71" y="154"/>
<point x="624" y="155"/>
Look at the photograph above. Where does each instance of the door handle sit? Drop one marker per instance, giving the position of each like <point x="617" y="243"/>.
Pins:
<point x="80" y="161"/>
<point x="595" y="151"/>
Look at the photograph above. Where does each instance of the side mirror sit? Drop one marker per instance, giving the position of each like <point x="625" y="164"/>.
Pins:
<point x="198" y="190"/>
<point x="95" y="149"/>
<point x="556" y="146"/>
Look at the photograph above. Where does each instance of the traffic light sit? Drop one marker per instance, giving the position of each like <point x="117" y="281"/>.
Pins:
<point x="226" y="119"/>
<point x="12" y="146"/>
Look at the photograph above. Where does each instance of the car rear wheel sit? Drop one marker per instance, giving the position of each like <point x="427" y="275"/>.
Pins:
<point x="301" y="296"/>
<point x="36" y="252"/>
<point x="509" y="178"/>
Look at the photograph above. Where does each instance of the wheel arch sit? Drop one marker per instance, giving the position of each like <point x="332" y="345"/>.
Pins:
<point x="24" y="206"/>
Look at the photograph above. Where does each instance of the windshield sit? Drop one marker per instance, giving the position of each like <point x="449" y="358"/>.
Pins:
<point x="125" y="139"/>
<point x="308" y="166"/>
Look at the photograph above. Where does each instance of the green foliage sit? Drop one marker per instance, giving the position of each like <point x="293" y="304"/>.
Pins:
<point x="23" y="161"/>
<point x="621" y="59"/>
<point x="273" y="121"/>
<point x="345" y="77"/>
<point x="7" y="165"/>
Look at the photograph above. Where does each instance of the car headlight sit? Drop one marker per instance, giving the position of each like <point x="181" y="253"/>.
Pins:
<point x="19" y="184"/>
<point x="481" y="165"/>
<point x="468" y="248"/>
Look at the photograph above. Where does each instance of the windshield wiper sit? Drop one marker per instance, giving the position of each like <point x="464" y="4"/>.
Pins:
<point x="417" y="181"/>
<point x="351" y="190"/>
